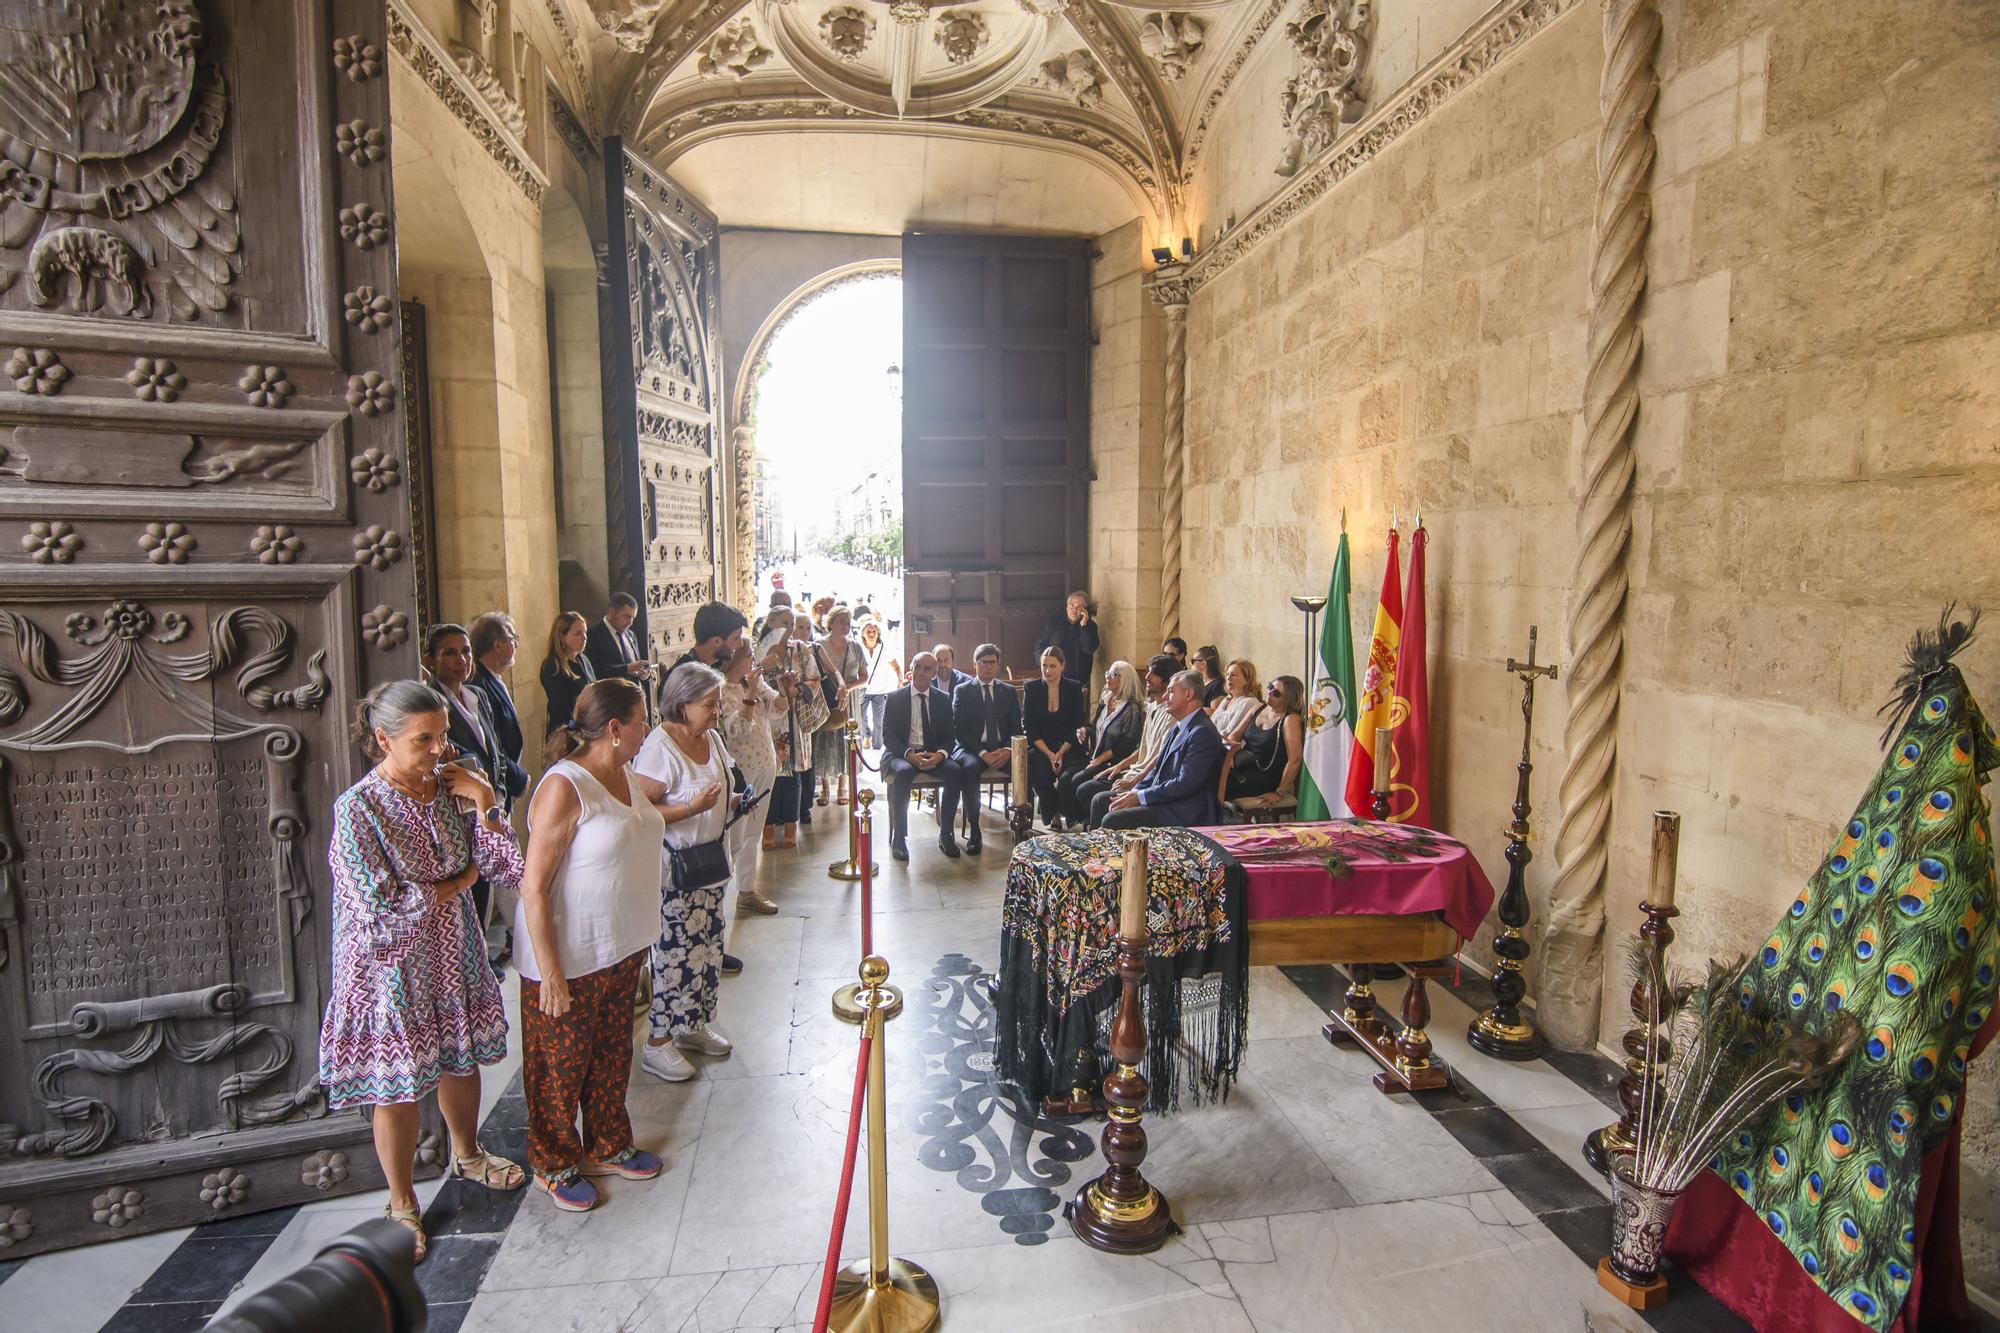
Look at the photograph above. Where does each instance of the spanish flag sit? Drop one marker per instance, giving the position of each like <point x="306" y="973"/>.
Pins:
<point x="1377" y="686"/>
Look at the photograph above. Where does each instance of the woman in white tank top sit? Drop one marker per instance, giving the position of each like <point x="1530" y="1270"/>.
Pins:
<point x="588" y="911"/>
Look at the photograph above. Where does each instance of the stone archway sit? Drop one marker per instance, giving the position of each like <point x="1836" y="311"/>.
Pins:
<point x="742" y="408"/>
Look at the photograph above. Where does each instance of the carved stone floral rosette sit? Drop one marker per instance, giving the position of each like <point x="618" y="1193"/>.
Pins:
<point x="847" y="31"/>
<point x="116" y="1207"/>
<point x="1330" y="38"/>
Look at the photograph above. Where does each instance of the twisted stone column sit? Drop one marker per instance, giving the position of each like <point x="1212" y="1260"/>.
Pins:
<point x="1171" y="294"/>
<point x="743" y="458"/>
<point x="1571" y="978"/>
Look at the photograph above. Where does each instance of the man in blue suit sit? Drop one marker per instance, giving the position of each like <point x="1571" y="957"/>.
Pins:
<point x="1181" y="788"/>
<point x="985" y="713"/>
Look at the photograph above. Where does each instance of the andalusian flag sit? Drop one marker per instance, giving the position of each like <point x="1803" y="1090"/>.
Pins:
<point x="1330" y="713"/>
<point x="1375" y="707"/>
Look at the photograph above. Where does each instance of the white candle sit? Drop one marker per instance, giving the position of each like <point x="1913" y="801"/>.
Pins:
<point x="1017" y="774"/>
<point x="1132" y="889"/>
<point x="1666" y="858"/>
<point x="1383" y="745"/>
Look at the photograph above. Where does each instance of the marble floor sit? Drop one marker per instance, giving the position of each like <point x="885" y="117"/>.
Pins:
<point x="1310" y="1202"/>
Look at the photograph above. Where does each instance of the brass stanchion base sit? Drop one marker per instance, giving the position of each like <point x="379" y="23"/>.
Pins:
<point x="1505" y="1041"/>
<point x="906" y="1303"/>
<point x="850" y="869"/>
<point x="850" y="1007"/>
<point x="1602" y="1146"/>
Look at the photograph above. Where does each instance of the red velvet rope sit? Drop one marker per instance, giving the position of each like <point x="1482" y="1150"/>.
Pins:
<point x="846" y="1187"/>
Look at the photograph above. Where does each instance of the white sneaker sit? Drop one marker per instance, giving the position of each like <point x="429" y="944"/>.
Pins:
<point x="704" y="1039"/>
<point x="665" y="1062"/>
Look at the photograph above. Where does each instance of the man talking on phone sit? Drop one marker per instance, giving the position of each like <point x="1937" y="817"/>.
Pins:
<point x="1075" y="632"/>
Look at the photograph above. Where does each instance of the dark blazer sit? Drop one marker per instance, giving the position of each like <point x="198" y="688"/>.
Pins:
<point x="562" y="690"/>
<point x="1124" y="733"/>
<point x="1078" y="644"/>
<point x="896" y="722"/>
<point x="968" y="712"/>
<point x="506" y="723"/>
<point x="482" y="745"/>
<point x="606" y="653"/>
<point x="1182" y="785"/>
<point x="1056" y="729"/>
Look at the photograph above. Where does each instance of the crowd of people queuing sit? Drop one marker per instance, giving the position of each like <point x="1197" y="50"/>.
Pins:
<point x="663" y="785"/>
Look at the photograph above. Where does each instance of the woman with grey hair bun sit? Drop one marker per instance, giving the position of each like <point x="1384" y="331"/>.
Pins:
<point x="686" y="756"/>
<point x="413" y="1005"/>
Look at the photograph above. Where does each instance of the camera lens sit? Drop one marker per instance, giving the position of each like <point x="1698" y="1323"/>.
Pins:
<point x="363" y="1282"/>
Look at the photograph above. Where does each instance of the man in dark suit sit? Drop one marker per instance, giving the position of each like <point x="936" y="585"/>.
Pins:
<point x="1075" y="632"/>
<point x="1180" y="789"/>
<point x="949" y="677"/>
<point x="917" y="738"/>
<point x="494" y="642"/>
<point x="469" y="724"/>
<point x="613" y="649"/>
<point x="985" y="716"/>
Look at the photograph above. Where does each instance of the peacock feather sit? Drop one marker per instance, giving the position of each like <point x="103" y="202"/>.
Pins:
<point x="1896" y="929"/>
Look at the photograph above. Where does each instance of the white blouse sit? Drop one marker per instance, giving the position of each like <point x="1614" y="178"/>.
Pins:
<point x="664" y="762"/>
<point x="605" y="894"/>
<point x="1231" y="711"/>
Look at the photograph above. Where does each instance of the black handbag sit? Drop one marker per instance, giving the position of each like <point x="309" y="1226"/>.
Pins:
<point x="699" y="865"/>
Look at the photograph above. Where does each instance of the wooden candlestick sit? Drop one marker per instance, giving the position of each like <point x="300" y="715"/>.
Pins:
<point x="1119" y="1211"/>
<point x="1603" y="1146"/>
<point x="1503" y="1030"/>
<point x="1021" y="810"/>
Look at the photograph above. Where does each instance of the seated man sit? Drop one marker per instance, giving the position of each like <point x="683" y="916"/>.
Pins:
<point x="986" y="714"/>
<point x="1181" y="789"/>
<point x="1095" y="795"/>
<point x="949" y="677"/>
<point x="917" y="738"/>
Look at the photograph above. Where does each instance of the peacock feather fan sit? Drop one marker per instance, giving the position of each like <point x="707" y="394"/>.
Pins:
<point x="1896" y="930"/>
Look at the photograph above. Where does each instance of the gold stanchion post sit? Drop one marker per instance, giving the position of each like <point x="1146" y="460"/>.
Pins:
<point x="850" y="869"/>
<point x="850" y="1004"/>
<point x="880" y="1294"/>
<point x="1120" y="1211"/>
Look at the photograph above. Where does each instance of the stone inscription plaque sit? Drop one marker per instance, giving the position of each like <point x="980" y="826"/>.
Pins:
<point x="146" y="874"/>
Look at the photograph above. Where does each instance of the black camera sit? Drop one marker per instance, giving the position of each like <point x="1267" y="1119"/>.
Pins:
<point x="363" y="1282"/>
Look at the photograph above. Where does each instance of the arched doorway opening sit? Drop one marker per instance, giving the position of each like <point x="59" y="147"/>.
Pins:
<point x="821" y="394"/>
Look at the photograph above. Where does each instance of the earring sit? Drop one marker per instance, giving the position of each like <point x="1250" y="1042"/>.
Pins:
<point x="615" y="742"/>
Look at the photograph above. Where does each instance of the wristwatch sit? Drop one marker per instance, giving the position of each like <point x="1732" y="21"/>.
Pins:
<point x="494" y="814"/>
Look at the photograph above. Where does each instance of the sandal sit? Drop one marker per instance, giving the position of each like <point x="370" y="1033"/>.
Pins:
<point x="771" y="838"/>
<point x="412" y="1219"/>
<point x="483" y="1168"/>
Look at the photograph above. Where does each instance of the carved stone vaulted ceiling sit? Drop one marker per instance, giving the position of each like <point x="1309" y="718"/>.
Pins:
<point x="1127" y="90"/>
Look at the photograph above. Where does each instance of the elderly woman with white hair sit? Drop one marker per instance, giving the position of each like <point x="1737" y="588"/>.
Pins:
<point x="1112" y="735"/>
<point x="686" y="756"/>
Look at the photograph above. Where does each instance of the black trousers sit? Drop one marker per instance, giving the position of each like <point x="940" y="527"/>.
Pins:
<point x="898" y="773"/>
<point x="1094" y="797"/>
<point x="966" y="769"/>
<point x="1138" y="816"/>
<point x="1070" y="794"/>
<point x="1042" y="784"/>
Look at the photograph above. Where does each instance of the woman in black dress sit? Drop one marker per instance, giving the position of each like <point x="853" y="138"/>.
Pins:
<point x="565" y="671"/>
<point x="1051" y="712"/>
<point x="1208" y="661"/>
<point x="1273" y="744"/>
<point x="1112" y="734"/>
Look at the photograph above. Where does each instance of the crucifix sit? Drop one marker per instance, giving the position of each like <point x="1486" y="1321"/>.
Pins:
<point x="1503" y="1030"/>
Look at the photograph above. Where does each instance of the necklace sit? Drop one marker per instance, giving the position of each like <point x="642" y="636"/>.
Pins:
<point x="423" y="794"/>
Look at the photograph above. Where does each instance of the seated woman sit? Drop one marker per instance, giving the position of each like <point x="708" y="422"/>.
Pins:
<point x="1232" y="712"/>
<point x="1112" y="735"/>
<point x="1051" y="713"/>
<point x="1274" y="744"/>
<point x="565" y="671"/>
<point x="1208" y="661"/>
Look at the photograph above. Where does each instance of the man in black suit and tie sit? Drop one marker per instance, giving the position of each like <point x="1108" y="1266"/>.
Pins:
<point x="494" y="642"/>
<point x="917" y="738"/>
<point x="613" y="649"/>
<point x="985" y="714"/>
<point x="469" y="724"/>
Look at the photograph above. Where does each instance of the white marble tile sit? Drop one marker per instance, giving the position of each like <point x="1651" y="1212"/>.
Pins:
<point x="911" y="941"/>
<point x="1280" y="1009"/>
<point x="1378" y="1147"/>
<point x="1066" y="1285"/>
<point x="1562" y="1129"/>
<point x="1238" y="1159"/>
<point x="598" y="1307"/>
<point x="75" y="1291"/>
<point x="746" y="1299"/>
<point x="755" y="1009"/>
<point x="1476" y="1261"/>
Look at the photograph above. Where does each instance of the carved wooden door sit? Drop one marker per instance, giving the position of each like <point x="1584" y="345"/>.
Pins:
<point x="996" y="438"/>
<point x="203" y="520"/>
<point x="660" y="342"/>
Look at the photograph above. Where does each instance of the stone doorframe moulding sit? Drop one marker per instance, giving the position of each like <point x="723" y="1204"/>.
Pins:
<point x="1571" y="982"/>
<point x="742" y="416"/>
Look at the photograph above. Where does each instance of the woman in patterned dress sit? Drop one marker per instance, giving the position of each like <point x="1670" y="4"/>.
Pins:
<point x="839" y="656"/>
<point x="751" y="708"/>
<point x="413" y="1004"/>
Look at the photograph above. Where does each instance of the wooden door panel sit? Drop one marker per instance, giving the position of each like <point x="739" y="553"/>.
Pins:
<point x="204" y="524"/>
<point x="996" y="437"/>
<point x="662" y="438"/>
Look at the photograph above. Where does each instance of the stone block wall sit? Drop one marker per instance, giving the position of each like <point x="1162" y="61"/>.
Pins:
<point x="1817" y="467"/>
<point x="1125" y="433"/>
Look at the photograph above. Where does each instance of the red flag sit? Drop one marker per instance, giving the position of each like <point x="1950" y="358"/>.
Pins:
<point x="1410" y="771"/>
<point x="1377" y="685"/>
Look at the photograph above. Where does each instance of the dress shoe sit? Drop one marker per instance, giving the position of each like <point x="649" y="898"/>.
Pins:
<point x="899" y="849"/>
<point x="948" y="845"/>
<point x="972" y="843"/>
<point x="731" y="965"/>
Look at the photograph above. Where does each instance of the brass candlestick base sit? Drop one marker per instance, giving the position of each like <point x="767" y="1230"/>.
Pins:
<point x="906" y="1303"/>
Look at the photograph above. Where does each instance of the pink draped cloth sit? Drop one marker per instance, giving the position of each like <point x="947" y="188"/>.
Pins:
<point x="1344" y="867"/>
